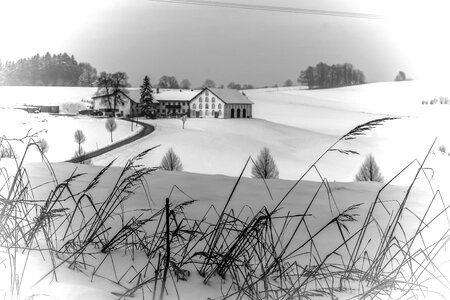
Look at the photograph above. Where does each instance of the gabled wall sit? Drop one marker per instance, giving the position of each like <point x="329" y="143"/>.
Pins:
<point x="198" y="106"/>
<point x="122" y="110"/>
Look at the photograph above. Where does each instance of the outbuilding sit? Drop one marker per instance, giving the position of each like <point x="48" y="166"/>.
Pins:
<point x="173" y="103"/>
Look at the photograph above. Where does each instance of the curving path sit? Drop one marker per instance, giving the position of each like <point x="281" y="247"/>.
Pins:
<point x="146" y="130"/>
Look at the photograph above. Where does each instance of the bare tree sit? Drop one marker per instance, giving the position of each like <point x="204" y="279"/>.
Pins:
<point x="171" y="161"/>
<point x="209" y="83"/>
<point x="369" y="171"/>
<point x="185" y="84"/>
<point x="112" y="87"/>
<point x="168" y="82"/>
<point x="111" y="125"/>
<point x="79" y="138"/>
<point x="265" y="166"/>
<point x="288" y="83"/>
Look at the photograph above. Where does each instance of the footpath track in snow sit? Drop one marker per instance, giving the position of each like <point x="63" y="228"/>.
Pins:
<point x="146" y="130"/>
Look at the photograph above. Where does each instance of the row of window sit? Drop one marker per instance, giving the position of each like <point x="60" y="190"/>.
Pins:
<point x="200" y="99"/>
<point x="175" y="103"/>
<point x="207" y="113"/>
<point x="200" y="106"/>
<point x="163" y="111"/>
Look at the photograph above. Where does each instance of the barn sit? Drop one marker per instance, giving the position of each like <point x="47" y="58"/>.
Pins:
<point x="220" y="103"/>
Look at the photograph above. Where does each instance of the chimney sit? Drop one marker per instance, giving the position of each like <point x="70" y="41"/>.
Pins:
<point x="157" y="90"/>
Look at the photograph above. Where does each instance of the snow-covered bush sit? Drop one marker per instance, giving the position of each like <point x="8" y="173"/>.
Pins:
<point x="265" y="166"/>
<point x="171" y="161"/>
<point x="369" y="171"/>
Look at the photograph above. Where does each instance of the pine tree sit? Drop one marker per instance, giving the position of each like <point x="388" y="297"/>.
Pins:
<point x="369" y="171"/>
<point x="265" y="166"/>
<point x="147" y="105"/>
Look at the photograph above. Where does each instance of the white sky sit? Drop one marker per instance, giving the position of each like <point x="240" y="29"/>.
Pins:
<point x="262" y="48"/>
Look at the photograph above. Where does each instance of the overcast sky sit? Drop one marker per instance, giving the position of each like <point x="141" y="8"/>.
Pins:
<point x="258" y="47"/>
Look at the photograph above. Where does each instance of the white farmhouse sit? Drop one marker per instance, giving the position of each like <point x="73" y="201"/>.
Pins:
<point x="126" y="107"/>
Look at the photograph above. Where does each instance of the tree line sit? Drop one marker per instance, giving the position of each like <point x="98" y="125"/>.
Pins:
<point x="325" y="76"/>
<point x="48" y="70"/>
<point x="170" y="82"/>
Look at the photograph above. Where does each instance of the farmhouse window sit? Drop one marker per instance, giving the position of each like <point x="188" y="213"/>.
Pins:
<point x="194" y="106"/>
<point x="206" y="99"/>
<point x="220" y="106"/>
<point x="207" y="113"/>
<point x="200" y="106"/>
<point x="200" y="99"/>
<point x="207" y="93"/>
<point x="213" y="99"/>
<point x="213" y="106"/>
<point x="206" y="106"/>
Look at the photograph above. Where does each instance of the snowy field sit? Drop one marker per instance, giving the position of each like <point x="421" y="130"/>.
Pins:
<point x="59" y="131"/>
<point x="297" y="126"/>
<point x="12" y="96"/>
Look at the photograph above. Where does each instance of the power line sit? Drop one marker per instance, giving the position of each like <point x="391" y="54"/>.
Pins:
<point x="276" y="9"/>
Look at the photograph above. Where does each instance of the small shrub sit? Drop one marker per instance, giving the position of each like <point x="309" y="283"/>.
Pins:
<point x="171" y="161"/>
<point x="184" y="119"/>
<point x="43" y="145"/>
<point x="369" y="171"/>
<point x="79" y="154"/>
<point x="8" y="152"/>
<point x="442" y="149"/>
<point x="265" y="166"/>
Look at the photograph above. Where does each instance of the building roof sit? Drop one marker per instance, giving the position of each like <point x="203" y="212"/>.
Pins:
<point x="174" y="95"/>
<point x="134" y="94"/>
<point x="230" y="96"/>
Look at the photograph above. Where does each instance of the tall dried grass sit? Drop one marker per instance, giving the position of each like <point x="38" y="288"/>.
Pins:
<point x="269" y="253"/>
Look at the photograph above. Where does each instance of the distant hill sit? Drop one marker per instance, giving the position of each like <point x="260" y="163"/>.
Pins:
<point x="48" y="70"/>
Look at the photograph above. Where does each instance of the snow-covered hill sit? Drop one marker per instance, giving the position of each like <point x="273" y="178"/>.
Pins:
<point x="298" y="125"/>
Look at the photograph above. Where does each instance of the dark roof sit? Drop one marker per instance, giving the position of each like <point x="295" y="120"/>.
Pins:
<point x="230" y="96"/>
